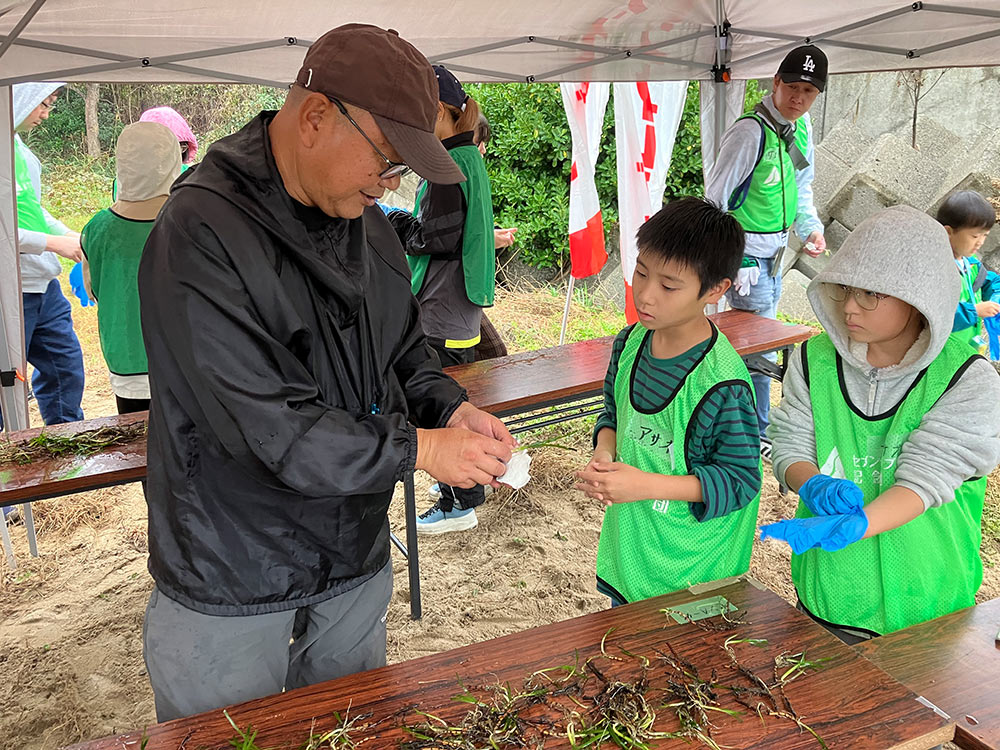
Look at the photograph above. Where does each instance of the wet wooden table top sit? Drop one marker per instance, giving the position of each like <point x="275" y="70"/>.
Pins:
<point x="849" y="702"/>
<point x="536" y="379"/>
<point x="502" y="386"/>
<point x="954" y="662"/>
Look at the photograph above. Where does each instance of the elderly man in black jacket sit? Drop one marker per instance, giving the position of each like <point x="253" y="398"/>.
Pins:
<point x="288" y="366"/>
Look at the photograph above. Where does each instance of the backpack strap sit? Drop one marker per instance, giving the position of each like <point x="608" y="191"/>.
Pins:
<point x="786" y="132"/>
<point x="980" y="277"/>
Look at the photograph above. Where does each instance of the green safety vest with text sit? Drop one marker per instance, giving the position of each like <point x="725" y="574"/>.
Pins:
<point x="921" y="570"/>
<point x="30" y="215"/>
<point x="652" y="547"/>
<point x="770" y="202"/>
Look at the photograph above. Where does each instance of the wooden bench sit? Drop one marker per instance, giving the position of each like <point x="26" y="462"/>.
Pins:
<point x="506" y="387"/>
<point x="848" y="701"/>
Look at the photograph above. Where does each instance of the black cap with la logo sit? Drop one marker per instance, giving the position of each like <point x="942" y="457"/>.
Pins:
<point x="806" y="63"/>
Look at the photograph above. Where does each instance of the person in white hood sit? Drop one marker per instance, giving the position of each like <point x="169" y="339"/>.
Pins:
<point x="887" y="428"/>
<point x="52" y="346"/>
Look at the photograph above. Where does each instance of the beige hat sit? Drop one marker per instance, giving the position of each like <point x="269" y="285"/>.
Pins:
<point x="148" y="161"/>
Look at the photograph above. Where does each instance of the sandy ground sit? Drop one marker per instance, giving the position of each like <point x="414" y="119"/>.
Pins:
<point x="71" y="620"/>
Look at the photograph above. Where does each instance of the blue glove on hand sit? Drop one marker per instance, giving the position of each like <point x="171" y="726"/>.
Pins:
<point x="76" y="282"/>
<point x="829" y="532"/>
<point x="828" y="496"/>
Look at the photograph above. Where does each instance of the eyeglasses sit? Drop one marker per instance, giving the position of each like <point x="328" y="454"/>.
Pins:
<point x="395" y="168"/>
<point x="866" y="300"/>
<point x="49" y="106"/>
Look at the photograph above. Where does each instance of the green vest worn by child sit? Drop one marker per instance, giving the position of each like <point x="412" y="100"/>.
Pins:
<point x="30" y="215"/>
<point x="114" y="246"/>
<point x="652" y="547"/>
<point x="973" y="275"/>
<point x="478" y="251"/>
<point x="921" y="570"/>
<point x="770" y="202"/>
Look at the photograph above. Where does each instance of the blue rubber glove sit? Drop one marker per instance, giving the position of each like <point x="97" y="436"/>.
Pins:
<point x="828" y="496"/>
<point x="76" y="282"/>
<point x="828" y="532"/>
<point x="993" y="334"/>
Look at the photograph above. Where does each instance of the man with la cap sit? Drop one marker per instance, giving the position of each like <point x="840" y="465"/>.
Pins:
<point x="287" y="368"/>
<point x="763" y="175"/>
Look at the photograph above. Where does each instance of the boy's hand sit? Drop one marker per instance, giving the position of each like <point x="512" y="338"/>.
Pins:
<point x="600" y="456"/>
<point x="613" y="482"/>
<point x="987" y="309"/>
<point x="828" y="496"/>
<point x="828" y="532"/>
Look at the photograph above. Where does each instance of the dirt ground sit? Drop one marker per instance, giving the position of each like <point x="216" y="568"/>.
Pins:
<point x="71" y="620"/>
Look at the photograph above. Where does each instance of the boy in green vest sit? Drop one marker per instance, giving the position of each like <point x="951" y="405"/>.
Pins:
<point x="676" y="457"/>
<point x="967" y="218"/>
<point x="147" y="162"/>
<point x="887" y="429"/>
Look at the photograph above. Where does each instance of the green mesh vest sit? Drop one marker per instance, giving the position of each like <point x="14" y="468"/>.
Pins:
<point x="114" y="248"/>
<point x="29" y="211"/>
<point x="772" y="199"/>
<point x="974" y="335"/>
<point x="652" y="547"/>
<point x="921" y="570"/>
<point x="478" y="251"/>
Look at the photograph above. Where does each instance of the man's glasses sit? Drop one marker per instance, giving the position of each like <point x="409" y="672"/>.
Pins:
<point x="866" y="300"/>
<point x="395" y="168"/>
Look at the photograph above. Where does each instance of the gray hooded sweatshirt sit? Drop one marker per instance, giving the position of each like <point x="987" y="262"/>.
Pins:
<point x="904" y="253"/>
<point x="38" y="265"/>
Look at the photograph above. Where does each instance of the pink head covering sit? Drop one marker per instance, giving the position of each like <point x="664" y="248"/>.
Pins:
<point x="177" y="124"/>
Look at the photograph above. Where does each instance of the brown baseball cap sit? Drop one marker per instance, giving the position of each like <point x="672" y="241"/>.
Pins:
<point x="376" y="70"/>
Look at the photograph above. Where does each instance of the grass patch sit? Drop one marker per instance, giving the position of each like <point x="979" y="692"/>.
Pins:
<point x="73" y="192"/>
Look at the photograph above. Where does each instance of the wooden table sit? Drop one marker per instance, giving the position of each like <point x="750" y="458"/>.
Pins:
<point x="505" y="386"/>
<point x="849" y="702"/>
<point x="546" y="377"/>
<point x="954" y="662"/>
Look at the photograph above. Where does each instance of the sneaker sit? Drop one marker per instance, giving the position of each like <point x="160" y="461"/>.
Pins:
<point x="765" y="449"/>
<point x="435" y="491"/>
<point x="437" y="521"/>
<point x="12" y="514"/>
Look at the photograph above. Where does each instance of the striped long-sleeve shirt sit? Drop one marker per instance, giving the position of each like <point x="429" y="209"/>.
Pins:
<point x="725" y="447"/>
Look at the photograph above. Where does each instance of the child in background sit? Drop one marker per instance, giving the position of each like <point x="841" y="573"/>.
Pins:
<point x="148" y="161"/>
<point x="676" y="459"/>
<point x="968" y="217"/>
<point x="887" y="428"/>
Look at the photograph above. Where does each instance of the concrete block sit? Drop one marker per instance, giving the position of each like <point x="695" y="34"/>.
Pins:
<point x="836" y="157"/>
<point x="937" y="142"/>
<point x="794" y="303"/>
<point x="847" y="142"/>
<point x="890" y="173"/>
<point x="835" y="235"/>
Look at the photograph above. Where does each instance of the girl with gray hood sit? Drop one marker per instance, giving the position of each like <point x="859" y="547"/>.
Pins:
<point x="51" y="343"/>
<point x="887" y="429"/>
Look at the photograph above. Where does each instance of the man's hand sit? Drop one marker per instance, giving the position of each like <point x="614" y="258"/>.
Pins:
<point x="503" y="237"/>
<point x="818" y="245"/>
<point x="612" y="482"/>
<point x="67" y="245"/>
<point x="460" y="457"/>
<point x="468" y="417"/>
<point x="987" y="309"/>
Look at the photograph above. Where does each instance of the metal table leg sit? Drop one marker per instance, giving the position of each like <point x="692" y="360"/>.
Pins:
<point x="412" y="561"/>
<point x="8" y="548"/>
<point x="29" y="527"/>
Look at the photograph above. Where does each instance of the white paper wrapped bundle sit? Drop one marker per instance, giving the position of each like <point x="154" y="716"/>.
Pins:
<point x="517" y="474"/>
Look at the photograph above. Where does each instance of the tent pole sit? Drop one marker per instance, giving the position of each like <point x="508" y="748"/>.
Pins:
<point x="19" y="26"/>
<point x="565" y="320"/>
<point x="12" y="404"/>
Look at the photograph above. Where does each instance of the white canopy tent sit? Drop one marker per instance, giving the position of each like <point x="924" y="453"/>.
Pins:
<point x="250" y="41"/>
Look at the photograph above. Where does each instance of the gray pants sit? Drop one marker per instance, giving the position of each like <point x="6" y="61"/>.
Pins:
<point x="199" y="662"/>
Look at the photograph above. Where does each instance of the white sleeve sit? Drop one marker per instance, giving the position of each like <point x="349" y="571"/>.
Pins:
<point x="806" y="219"/>
<point x="736" y="161"/>
<point x="31" y="243"/>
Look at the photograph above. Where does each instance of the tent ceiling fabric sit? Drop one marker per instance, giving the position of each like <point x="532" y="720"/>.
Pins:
<point x="519" y="40"/>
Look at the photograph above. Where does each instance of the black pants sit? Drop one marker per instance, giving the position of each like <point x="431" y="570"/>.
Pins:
<point x="452" y="496"/>
<point x="131" y="405"/>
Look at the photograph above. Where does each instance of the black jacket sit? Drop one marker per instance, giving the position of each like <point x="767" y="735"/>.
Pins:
<point x="285" y="356"/>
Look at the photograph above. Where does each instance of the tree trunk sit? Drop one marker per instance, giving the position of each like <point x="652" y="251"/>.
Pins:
<point x="918" y="83"/>
<point x="90" y="113"/>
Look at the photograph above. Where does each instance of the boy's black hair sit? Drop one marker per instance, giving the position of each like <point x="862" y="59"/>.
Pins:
<point x="967" y="209"/>
<point x="698" y="234"/>
<point x="483" y="132"/>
